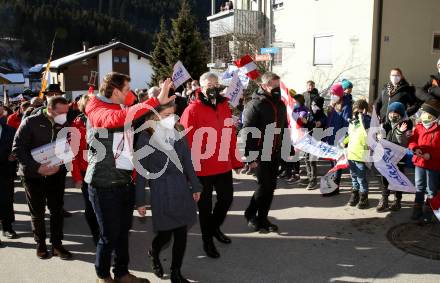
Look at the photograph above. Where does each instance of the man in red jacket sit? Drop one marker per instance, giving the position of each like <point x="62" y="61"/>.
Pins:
<point x="110" y="168"/>
<point x="213" y="144"/>
<point x="14" y="120"/>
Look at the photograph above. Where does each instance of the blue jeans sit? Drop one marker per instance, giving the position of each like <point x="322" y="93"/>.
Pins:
<point x="114" y="210"/>
<point x="427" y="182"/>
<point x="358" y="172"/>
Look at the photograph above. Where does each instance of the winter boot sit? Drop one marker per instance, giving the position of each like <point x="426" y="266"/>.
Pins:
<point x="363" y="203"/>
<point x="383" y="204"/>
<point x="354" y="199"/>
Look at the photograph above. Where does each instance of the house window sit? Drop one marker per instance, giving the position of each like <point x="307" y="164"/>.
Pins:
<point x="85" y="78"/>
<point x="436" y="42"/>
<point x="323" y="50"/>
<point x="124" y="59"/>
<point x="277" y="4"/>
<point x="116" y="59"/>
<point x="278" y="57"/>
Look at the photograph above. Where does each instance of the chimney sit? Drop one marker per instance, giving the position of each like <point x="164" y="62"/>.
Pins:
<point x="85" y="46"/>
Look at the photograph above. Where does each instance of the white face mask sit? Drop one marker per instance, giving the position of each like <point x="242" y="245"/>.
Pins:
<point x="315" y="108"/>
<point x="168" y="122"/>
<point x="194" y="88"/>
<point x="395" y="79"/>
<point x="5" y="113"/>
<point x="60" y="119"/>
<point x="334" y="98"/>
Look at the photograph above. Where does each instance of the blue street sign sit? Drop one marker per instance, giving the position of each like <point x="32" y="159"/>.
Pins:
<point x="270" y="50"/>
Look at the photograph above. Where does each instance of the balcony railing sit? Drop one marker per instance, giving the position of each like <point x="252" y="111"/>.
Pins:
<point x="236" y="22"/>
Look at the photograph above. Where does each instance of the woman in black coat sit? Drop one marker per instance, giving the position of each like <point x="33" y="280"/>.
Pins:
<point x="163" y="157"/>
<point x="396" y="90"/>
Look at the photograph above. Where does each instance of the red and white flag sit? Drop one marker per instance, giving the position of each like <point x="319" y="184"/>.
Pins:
<point x="435" y="205"/>
<point x="248" y="66"/>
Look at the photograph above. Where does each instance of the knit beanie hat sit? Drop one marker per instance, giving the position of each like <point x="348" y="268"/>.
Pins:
<point x="346" y="84"/>
<point x="337" y="90"/>
<point x="300" y="98"/>
<point x="432" y="107"/>
<point x="292" y="92"/>
<point x="397" y="107"/>
<point x="319" y="101"/>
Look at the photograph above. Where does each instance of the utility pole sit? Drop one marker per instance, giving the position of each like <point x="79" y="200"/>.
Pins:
<point x="212" y="38"/>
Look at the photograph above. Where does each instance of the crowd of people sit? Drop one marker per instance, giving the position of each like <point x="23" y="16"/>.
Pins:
<point x="182" y="146"/>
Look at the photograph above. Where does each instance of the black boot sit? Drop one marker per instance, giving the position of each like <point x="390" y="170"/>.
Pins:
<point x="210" y="249"/>
<point x="176" y="277"/>
<point x="222" y="238"/>
<point x="428" y="214"/>
<point x="334" y="193"/>
<point x="417" y="212"/>
<point x="354" y="199"/>
<point x="155" y="264"/>
<point x="397" y="205"/>
<point x="363" y="202"/>
<point x="383" y="204"/>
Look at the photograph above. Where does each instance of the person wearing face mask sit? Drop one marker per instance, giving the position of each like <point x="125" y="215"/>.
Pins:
<point x="396" y="90"/>
<point x="8" y="166"/>
<point x="315" y="120"/>
<point x="431" y="89"/>
<point x="300" y="113"/>
<point x="109" y="171"/>
<point x="339" y="114"/>
<point x="425" y="144"/>
<point x="173" y="193"/>
<point x="265" y="108"/>
<point x="398" y="129"/>
<point x="43" y="183"/>
<point x="211" y="110"/>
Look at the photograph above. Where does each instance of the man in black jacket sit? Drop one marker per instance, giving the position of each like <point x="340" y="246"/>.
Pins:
<point x="311" y="94"/>
<point x="44" y="183"/>
<point x="7" y="175"/>
<point x="265" y="108"/>
<point x="431" y="89"/>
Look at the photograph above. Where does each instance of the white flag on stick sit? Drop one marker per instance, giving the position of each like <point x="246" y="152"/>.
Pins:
<point x="235" y="90"/>
<point x="180" y="74"/>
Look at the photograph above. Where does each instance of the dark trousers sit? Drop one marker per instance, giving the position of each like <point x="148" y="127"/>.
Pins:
<point x="267" y="182"/>
<point x="311" y="167"/>
<point x="7" y="215"/>
<point x="113" y="209"/>
<point x="179" y="246"/>
<point x="385" y="191"/>
<point x="90" y="214"/>
<point x="50" y="191"/>
<point x="212" y="219"/>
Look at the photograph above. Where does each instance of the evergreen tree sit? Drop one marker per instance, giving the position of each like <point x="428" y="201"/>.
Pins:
<point x="159" y="62"/>
<point x="186" y="43"/>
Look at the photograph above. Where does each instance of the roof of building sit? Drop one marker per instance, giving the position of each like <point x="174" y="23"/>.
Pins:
<point x="15" y="78"/>
<point x="92" y="51"/>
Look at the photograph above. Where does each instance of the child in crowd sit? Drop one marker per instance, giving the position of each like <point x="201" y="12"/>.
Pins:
<point x="300" y="113"/>
<point x="338" y="117"/>
<point x="425" y="143"/>
<point x="357" y="152"/>
<point x="398" y="129"/>
<point x="316" y="119"/>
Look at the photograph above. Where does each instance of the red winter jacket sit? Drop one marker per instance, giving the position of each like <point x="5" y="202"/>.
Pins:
<point x="79" y="163"/>
<point x="14" y="120"/>
<point x="200" y="114"/>
<point x="111" y="116"/>
<point x="428" y="141"/>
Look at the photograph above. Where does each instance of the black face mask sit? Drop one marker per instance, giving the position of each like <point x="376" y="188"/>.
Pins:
<point x="276" y="92"/>
<point x="213" y="92"/>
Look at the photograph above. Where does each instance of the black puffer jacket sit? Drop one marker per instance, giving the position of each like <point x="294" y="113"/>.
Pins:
<point x="310" y="96"/>
<point x="430" y="90"/>
<point x="261" y="111"/>
<point x="34" y="131"/>
<point x="403" y="94"/>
